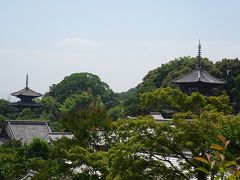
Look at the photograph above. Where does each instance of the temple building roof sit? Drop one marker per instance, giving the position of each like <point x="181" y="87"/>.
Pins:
<point x="58" y="135"/>
<point x="198" y="75"/>
<point x="26" y="96"/>
<point x="26" y="92"/>
<point x="27" y="130"/>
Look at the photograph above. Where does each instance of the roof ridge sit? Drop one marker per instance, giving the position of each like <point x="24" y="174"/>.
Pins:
<point x="10" y="127"/>
<point x="26" y="122"/>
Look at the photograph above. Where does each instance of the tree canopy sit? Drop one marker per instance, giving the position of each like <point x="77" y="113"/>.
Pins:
<point x="78" y="83"/>
<point x="108" y="146"/>
<point x="227" y="69"/>
<point x="173" y="99"/>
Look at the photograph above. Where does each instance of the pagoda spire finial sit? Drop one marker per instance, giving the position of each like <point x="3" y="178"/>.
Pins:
<point x="27" y="81"/>
<point x="199" y="55"/>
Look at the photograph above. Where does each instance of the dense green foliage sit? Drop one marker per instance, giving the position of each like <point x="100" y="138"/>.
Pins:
<point x="129" y="148"/>
<point x="79" y="83"/>
<point x="107" y="146"/>
<point x="163" y="76"/>
<point x="215" y="164"/>
<point x="17" y="159"/>
<point x="86" y="123"/>
<point x="174" y="99"/>
<point x="81" y="90"/>
<point x="38" y="148"/>
<point x="11" y="161"/>
<point x="126" y="149"/>
<point x="6" y="111"/>
<point x="227" y="69"/>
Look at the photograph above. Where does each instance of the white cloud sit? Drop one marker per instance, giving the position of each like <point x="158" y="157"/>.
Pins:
<point x="77" y="43"/>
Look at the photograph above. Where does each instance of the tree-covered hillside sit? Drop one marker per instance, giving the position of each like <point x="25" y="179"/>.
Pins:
<point x="108" y="146"/>
<point x="227" y="69"/>
<point x="80" y="83"/>
<point x="76" y="91"/>
<point x="82" y="90"/>
<point x="163" y="75"/>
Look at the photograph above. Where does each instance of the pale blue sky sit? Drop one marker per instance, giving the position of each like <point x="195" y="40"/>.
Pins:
<point x="120" y="41"/>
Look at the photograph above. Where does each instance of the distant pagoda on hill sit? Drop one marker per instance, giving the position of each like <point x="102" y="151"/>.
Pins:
<point x="199" y="80"/>
<point x="26" y="96"/>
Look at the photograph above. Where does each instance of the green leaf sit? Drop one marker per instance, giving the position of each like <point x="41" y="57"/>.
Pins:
<point x="221" y="170"/>
<point x="231" y="163"/>
<point x="232" y="177"/>
<point x="222" y="157"/>
<point x="202" y="160"/>
<point x="222" y="138"/>
<point x="217" y="147"/>
<point x="203" y="170"/>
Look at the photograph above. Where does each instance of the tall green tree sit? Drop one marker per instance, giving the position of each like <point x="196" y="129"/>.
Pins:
<point x="76" y="101"/>
<point x="87" y="125"/>
<point x="173" y="99"/>
<point x="38" y="148"/>
<point x="78" y="83"/>
<point x="12" y="161"/>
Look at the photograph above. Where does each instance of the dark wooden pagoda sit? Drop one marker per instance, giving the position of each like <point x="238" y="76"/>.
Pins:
<point x="26" y="96"/>
<point x="199" y="80"/>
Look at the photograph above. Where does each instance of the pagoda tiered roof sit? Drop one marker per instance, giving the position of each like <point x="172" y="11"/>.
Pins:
<point x="199" y="75"/>
<point x="199" y="79"/>
<point x="26" y="92"/>
<point x="26" y="95"/>
<point x="27" y="104"/>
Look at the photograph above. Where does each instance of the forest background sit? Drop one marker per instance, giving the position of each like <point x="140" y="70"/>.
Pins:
<point x="137" y="149"/>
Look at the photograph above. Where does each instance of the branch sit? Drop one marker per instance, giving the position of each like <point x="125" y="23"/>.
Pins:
<point x="175" y="169"/>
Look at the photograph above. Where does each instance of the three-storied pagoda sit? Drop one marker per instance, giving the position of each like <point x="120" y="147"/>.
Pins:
<point x="199" y="80"/>
<point x="26" y="96"/>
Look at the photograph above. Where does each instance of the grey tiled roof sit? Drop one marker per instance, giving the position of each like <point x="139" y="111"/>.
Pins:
<point x="199" y="76"/>
<point x="58" y="135"/>
<point x="26" y="92"/>
<point x="156" y="115"/>
<point x="27" y="130"/>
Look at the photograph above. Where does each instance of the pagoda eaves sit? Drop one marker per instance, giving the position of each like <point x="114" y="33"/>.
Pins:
<point x="199" y="80"/>
<point x="26" y="92"/>
<point x="26" y="95"/>
<point x="201" y="76"/>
